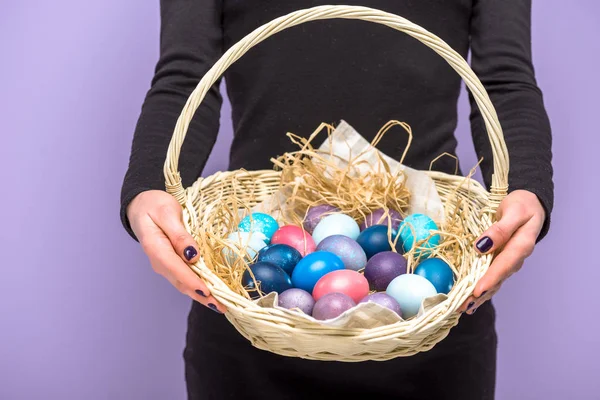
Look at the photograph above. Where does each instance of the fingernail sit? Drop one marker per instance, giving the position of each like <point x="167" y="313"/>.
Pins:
<point x="201" y="293"/>
<point x="213" y="307"/>
<point x="484" y="244"/>
<point x="189" y="253"/>
<point x="471" y="304"/>
<point x="483" y="294"/>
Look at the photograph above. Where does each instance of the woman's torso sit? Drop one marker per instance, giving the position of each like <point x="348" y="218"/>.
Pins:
<point x="329" y="70"/>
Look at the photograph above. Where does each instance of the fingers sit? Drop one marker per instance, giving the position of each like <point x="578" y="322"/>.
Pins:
<point x="508" y="261"/>
<point x="512" y="217"/>
<point x="167" y="263"/>
<point x="473" y="303"/>
<point x="168" y="218"/>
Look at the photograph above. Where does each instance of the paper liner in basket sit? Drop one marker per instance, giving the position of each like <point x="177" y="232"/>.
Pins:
<point x="347" y="144"/>
<point x="362" y="316"/>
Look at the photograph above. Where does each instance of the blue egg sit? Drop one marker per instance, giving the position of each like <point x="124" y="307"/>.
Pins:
<point x="409" y="290"/>
<point x="336" y="224"/>
<point x="436" y="271"/>
<point x="282" y="255"/>
<point x="312" y="267"/>
<point x="270" y="278"/>
<point x="374" y="240"/>
<point x="349" y="251"/>
<point x="416" y="229"/>
<point x="259" y="222"/>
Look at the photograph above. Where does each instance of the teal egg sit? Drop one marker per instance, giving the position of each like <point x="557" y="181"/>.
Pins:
<point x="436" y="271"/>
<point x="415" y="229"/>
<point x="259" y="222"/>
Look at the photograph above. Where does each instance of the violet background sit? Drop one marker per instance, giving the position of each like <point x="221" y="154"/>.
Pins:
<point x="82" y="315"/>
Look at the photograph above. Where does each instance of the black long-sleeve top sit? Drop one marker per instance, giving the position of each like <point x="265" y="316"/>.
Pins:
<point x="325" y="71"/>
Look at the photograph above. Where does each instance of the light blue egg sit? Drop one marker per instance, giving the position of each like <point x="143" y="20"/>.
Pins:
<point x="414" y="229"/>
<point x="409" y="290"/>
<point x="249" y="242"/>
<point x="259" y="222"/>
<point x="336" y="224"/>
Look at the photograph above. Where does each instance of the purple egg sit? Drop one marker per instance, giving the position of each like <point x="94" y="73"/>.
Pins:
<point x="385" y="300"/>
<point x="315" y="214"/>
<point x="383" y="267"/>
<point x="378" y="217"/>
<point x="348" y="250"/>
<point x="332" y="305"/>
<point x="297" y="298"/>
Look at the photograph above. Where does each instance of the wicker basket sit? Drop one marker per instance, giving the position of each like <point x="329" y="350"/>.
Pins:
<point x="286" y="333"/>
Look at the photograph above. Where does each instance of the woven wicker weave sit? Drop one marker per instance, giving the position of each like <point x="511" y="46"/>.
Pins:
<point x="285" y="332"/>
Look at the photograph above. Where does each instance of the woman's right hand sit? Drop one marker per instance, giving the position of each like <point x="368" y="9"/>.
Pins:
<point x="156" y="219"/>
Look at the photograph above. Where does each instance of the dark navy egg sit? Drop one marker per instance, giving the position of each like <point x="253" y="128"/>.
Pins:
<point x="374" y="240"/>
<point x="438" y="272"/>
<point x="270" y="278"/>
<point x="282" y="255"/>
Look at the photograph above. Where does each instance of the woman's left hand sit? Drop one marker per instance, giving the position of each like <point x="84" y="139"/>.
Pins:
<point x="520" y="220"/>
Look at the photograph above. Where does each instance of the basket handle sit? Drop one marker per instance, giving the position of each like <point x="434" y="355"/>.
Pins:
<point x="499" y="185"/>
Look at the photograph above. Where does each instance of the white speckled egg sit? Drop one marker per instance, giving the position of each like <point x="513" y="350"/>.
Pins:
<point x="250" y="242"/>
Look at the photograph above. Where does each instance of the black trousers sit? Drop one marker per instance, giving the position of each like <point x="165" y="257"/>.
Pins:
<point x="221" y="364"/>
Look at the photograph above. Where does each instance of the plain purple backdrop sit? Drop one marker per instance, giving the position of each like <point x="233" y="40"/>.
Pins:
<point x="82" y="315"/>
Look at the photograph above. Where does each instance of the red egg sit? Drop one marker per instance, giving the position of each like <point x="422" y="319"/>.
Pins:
<point x="346" y="281"/>
<point x="295" y="237"/>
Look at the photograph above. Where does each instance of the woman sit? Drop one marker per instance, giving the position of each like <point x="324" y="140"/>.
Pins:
<point x="367" y="74"/>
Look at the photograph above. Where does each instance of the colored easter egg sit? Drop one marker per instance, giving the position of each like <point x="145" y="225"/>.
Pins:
<point x="345" y="281"/>
<point x="438" y="272"/>
<point x="249" y="243"/>
<point x="282" y="255"/>
<point x="315" y="214"/>
<point x="380" y="217"/>
<point x="270" y="278"/>
<point x="336" y="224"/>
<point x="416" y="229"/>
<point x="383" y="267"/>
<point x="383" y="299"/>
<point x="409" y="290"/>
<point x="296" y="237"/>
<point x="374" y="240"/>
<point x="297" y="298"/>
<point x="312" y="267"/>
<point x="349" y="251"/>
<point x="332" y="305"/>
<point x="259" y="222"/>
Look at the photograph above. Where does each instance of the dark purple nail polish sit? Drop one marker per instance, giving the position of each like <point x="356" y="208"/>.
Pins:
<point x="484" y="244"/>
<point x="471" y="304"/>
<point x="213" y="307"/>
<point x="189" y="253"/>
<point x="201" y="293"/>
